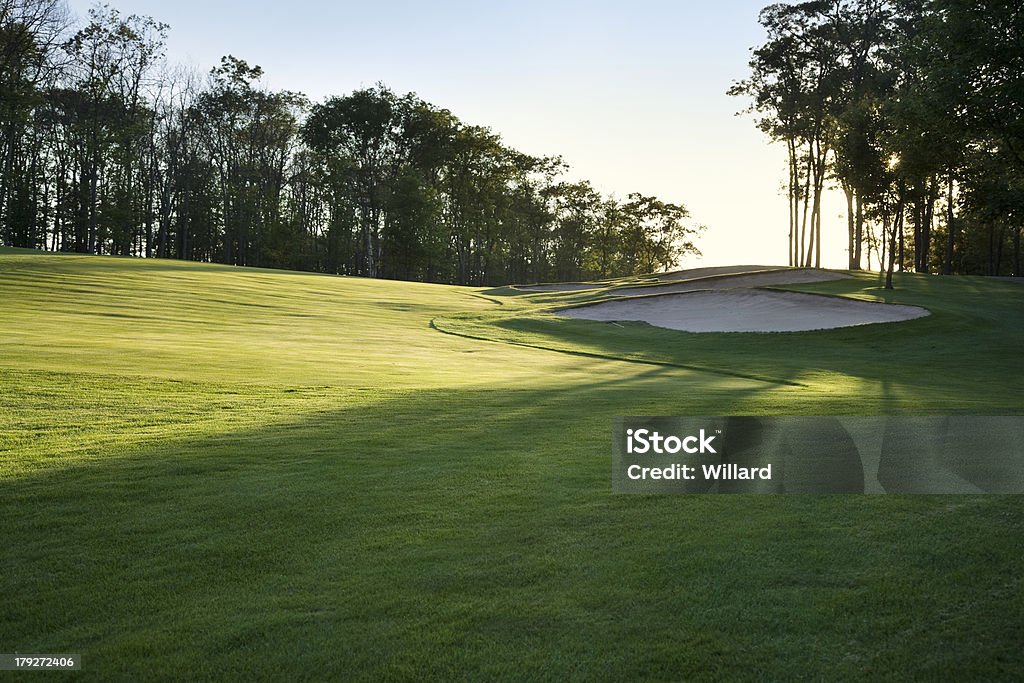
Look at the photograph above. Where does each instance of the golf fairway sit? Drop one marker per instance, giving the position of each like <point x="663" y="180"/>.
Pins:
<point x="211" y="471"/>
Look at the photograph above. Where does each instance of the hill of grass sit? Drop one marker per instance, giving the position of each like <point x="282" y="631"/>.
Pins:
<point x="211" y="471"/>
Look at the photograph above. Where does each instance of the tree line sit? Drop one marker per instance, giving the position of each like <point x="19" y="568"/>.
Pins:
<point x="913" y="109"/>
<point x="106" y="149"/>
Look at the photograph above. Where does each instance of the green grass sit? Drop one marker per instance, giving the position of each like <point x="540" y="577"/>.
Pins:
<point x="212" y="472"/>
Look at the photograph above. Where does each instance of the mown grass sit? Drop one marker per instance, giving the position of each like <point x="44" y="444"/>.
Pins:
<point x="211" y="472"/>
<point x="963" y="358"/>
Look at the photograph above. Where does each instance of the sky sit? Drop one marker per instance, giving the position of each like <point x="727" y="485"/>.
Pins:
<point x="631" y="95"/>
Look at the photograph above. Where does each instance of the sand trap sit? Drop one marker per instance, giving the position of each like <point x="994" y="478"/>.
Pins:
<point x="746" y="310"/>
<point x="785" y="276"/>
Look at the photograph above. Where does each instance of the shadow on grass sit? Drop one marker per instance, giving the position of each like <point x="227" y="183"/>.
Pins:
<point x="472" y="533"/>
<point x="961" y="359"/>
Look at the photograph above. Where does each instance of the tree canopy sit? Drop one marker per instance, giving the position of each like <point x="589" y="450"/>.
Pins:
<point x="107" y="149"/>
<point x="912" y="108"/>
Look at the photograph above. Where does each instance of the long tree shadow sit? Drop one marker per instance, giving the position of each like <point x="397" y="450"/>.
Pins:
<point x="969" y="341"/>
<point x="450" y="531"/>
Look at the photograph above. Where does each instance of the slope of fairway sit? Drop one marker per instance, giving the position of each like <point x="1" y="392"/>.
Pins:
<point x="213" y="472"/>
<point x="746" y="280"/>
<point x="719" y="277"/>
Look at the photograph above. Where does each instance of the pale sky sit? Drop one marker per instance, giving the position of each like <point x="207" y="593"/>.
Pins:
<point x="631" y="95"/>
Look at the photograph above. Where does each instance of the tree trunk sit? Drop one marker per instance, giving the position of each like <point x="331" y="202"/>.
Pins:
<point x="819" y="187"/>
<point x="793" y="198"/>
<point x="850" y="235"/>
<point x="1000" y="241"/>
<point x="817" y="230"/>
<point x="807" y="199"/>
<point x="897" y="230"/>
<point x="1016" y="252"/>
<point x="896" y="227"/>
<point x="900" y="235"/>
<point x="929" y="222"/>
<point x="810" y="243"/>
<point x="885" y="244"/>
<point x="859" y="238"/>
<point x="947" y="265"/>
<point x="920" y="256"/>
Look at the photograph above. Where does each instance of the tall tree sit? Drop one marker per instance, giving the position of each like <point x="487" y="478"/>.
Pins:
<point x="30" y="35"/>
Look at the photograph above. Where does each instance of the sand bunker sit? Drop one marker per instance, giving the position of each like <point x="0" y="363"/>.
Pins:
<point x="745" y="310"/>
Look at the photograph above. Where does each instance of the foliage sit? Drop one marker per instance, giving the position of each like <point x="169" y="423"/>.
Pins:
<point x="108" y="151"/>
<point x="912" y="107"/>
